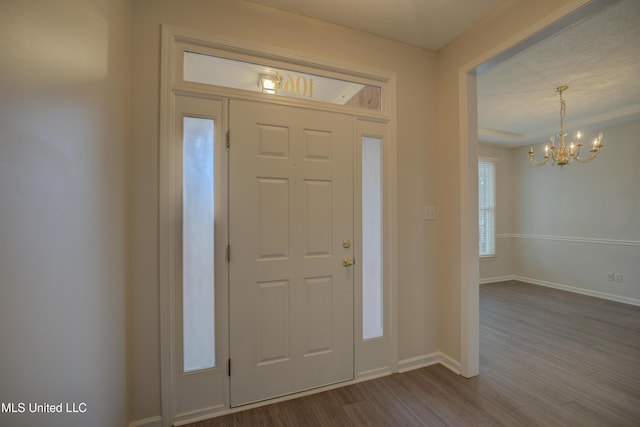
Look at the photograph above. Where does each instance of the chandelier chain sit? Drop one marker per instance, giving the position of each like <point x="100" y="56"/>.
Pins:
<point x="563" y="112"/>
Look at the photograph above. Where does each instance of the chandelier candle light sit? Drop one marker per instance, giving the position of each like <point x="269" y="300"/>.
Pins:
<point x="563" y="154"/>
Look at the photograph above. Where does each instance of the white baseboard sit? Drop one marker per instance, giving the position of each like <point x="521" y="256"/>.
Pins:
<point x="497" y="279"/>
<point x="403" y="366"/>
<point x="563" y="287"/>
<point x="417" y="362"/>
<point x="428" y="360"/>
<point x="366" y="376"/>
<point x="373" y="373"/>
<point x="448" y="362"/>
<point x="147" y="422"/>
<point x="582" y="291"/>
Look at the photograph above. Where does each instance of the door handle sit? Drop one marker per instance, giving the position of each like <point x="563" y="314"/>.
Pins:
<point x="348" y="262"/>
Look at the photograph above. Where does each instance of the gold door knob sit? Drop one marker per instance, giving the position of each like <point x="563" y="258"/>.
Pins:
<point x="347" y="262"/>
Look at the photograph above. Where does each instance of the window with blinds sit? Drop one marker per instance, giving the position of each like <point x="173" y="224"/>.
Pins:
<point x="487" y="207"/>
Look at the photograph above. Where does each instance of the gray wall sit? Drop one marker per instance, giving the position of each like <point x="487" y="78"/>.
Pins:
<point x="572" y="227"/>
<point x="63" y="135"/>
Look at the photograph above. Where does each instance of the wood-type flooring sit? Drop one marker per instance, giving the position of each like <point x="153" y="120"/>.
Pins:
<point x="547" y="358"/>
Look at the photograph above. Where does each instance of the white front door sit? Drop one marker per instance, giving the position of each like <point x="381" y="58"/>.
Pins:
<point x="290" y="231"/>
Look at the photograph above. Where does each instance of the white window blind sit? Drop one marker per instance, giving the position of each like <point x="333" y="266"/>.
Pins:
<point x="487" y="206"/>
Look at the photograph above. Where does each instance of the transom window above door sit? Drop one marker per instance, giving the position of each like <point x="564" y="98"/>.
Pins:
<point x="214" y="70"/>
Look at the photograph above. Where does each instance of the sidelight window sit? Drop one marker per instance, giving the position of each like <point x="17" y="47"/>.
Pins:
<point x="372" y="281"/>
<point x="198" y="305"/>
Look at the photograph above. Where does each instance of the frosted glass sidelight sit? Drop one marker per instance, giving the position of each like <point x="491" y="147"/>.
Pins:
<point x="198" y="245"/>
<point x="372" y="290"/>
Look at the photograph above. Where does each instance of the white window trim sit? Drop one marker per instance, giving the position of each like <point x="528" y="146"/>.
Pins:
<point x="494" y="162"/>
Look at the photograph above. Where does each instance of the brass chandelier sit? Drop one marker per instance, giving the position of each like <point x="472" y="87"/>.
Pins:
<point x="564" y="154"/>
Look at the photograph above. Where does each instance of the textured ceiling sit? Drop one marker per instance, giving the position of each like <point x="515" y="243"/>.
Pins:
<point x="598" y="57"/>
<point x="426" y="23"/>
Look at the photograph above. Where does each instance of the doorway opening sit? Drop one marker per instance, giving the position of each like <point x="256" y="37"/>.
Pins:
<point x="469" y="122"/>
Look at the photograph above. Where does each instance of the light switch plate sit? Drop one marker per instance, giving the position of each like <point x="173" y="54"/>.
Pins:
<point x="429" y="213"/>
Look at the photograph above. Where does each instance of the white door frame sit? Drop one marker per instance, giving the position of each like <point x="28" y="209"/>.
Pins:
<point x="174" y="41"/>
<point x="468" y="125"/>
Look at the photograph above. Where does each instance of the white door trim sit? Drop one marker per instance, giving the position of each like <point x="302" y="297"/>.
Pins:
<point x="174" y="40"/>
<point x="469" y="260"/>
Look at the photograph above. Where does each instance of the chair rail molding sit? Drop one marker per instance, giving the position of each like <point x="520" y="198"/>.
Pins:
<point x="573" y="239"/>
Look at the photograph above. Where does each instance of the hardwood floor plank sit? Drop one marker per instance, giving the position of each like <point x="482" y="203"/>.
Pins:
<point x="365" y="413"/>
<point x="419" y="408"/>
<point x="547" y="358"/>
<point x="328" y="410"/>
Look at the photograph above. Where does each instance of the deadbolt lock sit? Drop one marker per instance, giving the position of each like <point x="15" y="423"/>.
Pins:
<point x="346" y="244"/>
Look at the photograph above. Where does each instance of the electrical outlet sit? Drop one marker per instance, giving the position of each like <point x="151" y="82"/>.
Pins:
<point x="618" y="277"/>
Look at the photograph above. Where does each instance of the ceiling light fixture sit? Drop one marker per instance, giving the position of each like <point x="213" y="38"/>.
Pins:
<point x="563" y="154"/>
<point x="269" y="83"/>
